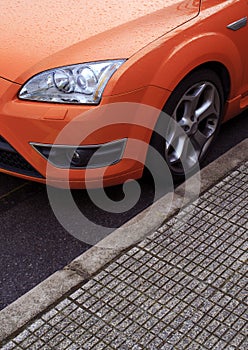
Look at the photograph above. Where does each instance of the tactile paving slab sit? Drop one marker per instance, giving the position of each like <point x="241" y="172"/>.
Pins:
<point x="184" y="287"/>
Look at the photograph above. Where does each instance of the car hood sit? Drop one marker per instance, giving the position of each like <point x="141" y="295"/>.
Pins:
<point x="38" y="35"/>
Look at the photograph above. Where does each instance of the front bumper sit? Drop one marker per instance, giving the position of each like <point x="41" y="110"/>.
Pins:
<point x="23" y="124"/>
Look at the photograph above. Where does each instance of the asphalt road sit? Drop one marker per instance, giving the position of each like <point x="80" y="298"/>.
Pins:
<point x="34" y="244"/>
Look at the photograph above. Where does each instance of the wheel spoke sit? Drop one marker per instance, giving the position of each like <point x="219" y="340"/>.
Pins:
<point x="188" y="156"/>
<point x="182" y="153"/>
<point x="181" y="146"/>
<point x="194" y="99"/>
<point x="171" y="133"/>
<point x="188" y="104"/>
<point x="198" y="141"/>
<point x="174" y="141"/>
<point x="209" y="107"/>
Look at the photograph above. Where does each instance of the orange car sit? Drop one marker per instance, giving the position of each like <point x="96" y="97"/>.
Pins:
<point x="83" y="85"/>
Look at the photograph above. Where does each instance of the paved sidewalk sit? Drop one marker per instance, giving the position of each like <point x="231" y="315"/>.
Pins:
<point x="183" y="287"/>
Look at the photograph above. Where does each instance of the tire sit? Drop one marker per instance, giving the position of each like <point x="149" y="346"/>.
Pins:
<point x="189" y="122"/>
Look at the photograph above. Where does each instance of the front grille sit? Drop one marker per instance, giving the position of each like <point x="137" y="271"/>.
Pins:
<point x="11" y="160"/>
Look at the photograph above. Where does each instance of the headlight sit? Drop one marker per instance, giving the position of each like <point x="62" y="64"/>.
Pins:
<point x="80" y="83"/>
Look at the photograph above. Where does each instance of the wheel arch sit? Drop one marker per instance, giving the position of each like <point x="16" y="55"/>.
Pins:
<point x="210" y="51"/>
<point x="222" y="73"/>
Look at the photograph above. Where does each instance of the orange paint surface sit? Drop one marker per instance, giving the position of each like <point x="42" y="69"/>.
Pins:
<point x="162" y="41"/>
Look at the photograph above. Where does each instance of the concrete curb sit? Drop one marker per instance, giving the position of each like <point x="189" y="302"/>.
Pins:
<point x="44" y="295"/>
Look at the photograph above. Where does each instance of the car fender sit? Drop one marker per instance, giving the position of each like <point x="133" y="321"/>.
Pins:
<point x="172" y="60"/>
<point x="208" y="47"/>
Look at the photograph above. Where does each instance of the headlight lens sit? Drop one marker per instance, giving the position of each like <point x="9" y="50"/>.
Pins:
<point x="80" y="83"/>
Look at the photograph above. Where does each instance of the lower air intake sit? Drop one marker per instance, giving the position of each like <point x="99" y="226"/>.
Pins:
<point x="11" y="160"/>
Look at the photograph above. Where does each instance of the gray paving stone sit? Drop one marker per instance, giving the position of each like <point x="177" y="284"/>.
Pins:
<point x="9" y="346"/>
<point x="183" y="287"/>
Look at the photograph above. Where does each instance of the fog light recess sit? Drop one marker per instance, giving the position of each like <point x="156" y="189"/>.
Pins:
<point x="80" y="157"/>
